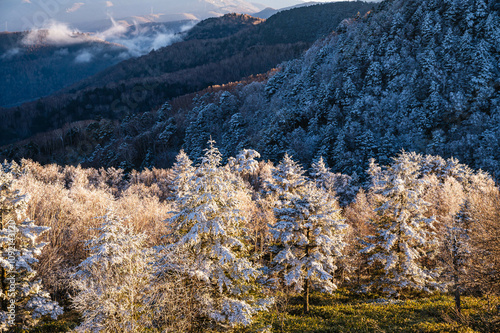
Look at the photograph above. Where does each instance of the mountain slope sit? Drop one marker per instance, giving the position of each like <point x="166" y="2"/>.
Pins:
<point x="420" y="76"/>
<point x="39" y="67"/>
<point x="414" y="75"/>
<point x="40" y="62"/>
<point x="141" y="84"/>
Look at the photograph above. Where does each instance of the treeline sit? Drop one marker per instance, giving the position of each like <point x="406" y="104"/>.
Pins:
<point x="206" y="58"/>
<point x="209" y="246"/>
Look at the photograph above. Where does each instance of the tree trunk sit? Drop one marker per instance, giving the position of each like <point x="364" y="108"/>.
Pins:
<point x="306" y="296"/>
<point x="306" y="287"/>
<point x="457" y="297"/>
<point x="3" y="288"/>
<point x="457" y="285"/>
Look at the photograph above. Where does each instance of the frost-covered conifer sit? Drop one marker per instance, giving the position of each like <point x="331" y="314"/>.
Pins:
<point x="211" y="241"/>
<point x="322" y="174"/>
<point x="337" y="184"/>
<point x="22" y="298"/>
<point x="182" y="171"/>
<point x="245" y="162"/>
<point x="111" y="283"/>
<point x="405" y="241"/>
<point x="308" y="231"/>
<point x="234" y="138"/>
<point x="287" y="179"/>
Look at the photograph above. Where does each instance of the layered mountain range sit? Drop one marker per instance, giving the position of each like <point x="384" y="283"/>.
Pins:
<point x="414" y="75"/>
<point x="86" y="15"/>
<point x="37" y="63"/>
<point x="216" y="51"/>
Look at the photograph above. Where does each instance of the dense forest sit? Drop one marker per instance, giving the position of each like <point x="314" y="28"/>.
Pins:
<point x="351" y="189"/>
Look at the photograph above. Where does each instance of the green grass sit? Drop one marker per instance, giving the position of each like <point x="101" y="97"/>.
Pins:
<point x="65" y="323"/>
<point x="346" y="312"/>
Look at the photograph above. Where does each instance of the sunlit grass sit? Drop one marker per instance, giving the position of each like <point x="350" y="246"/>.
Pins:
<point x="345" y="311"/>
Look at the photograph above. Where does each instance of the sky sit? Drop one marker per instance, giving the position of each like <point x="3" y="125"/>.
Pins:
<point x="17" y="15"/>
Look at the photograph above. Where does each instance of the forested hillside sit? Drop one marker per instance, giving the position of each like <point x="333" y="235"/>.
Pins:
<point x="206" y="58"/>
<point x="420" y="76"/>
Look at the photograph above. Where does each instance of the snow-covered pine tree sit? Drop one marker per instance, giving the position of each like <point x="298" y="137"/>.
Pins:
<point x="22" y="298"/>
<point x="181" y="173"/>
<point x="245" y="165"/>
<point x="287" y="179"/>
<point x="339" y="185"/>
<point x="405" y="241"/>
<point x="234" y="137"/>
<point x="112" y="282"/>
<point x="322" y="175"/>
<point x="211" y="241"/>
<point x="308" y="232"/>
<point x="245" y="162"/>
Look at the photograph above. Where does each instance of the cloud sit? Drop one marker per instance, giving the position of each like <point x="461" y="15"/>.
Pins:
<point x="109" y="4"/>
<point x="84" y="57"/>
<point x="188" y="26"/>
<point x="10" y="53"/>
<point x="54" y="33"/>
<point x="75" y="7"/>
<point x="26" y="1"/>
<point x="137" y="39"/>
<point x="117" y="29"/>
<point x="161" y="40"/>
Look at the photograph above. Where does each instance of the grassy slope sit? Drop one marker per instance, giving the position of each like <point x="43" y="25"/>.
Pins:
<point x="347" y="312"/>
<point x="342" y="312"/>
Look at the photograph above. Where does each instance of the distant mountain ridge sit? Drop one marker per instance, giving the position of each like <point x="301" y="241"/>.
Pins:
<point x="25" y="15"/>
<point x="185" y="67"/>
<point x="229" y="24"/>
<point x="40" y="62"/>
<point x="269" y="11"/>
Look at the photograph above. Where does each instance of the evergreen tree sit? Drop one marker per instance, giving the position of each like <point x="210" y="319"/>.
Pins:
<point x="112" y="282"/>
<point x="234" y="138"/>
<point x="245" y="163"/>
<point x="308" y="231"/>
<point x="211" y="240"/>
<point x="22" y="298"/>
<point x="287" y="179"/>
<point x="405" y="241"/>
<point x="181" y="173"/>
<point x="322" y="175"/>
